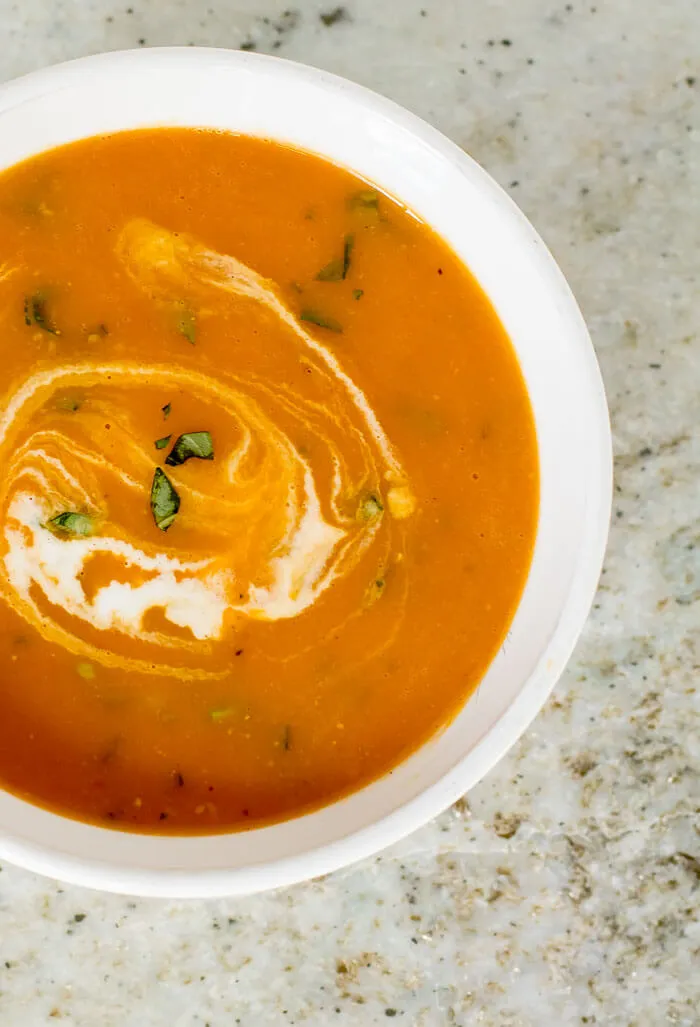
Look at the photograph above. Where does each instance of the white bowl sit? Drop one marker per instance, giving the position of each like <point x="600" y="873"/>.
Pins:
<point x="318" y="112"/>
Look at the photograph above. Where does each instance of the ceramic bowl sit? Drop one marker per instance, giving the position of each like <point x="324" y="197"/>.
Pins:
<point x="378" y="140"/>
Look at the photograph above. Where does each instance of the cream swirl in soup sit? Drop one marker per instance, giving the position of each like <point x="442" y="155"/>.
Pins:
<point x="300" y="483"/>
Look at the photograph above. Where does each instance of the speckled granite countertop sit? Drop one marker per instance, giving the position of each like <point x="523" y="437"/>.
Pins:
<point x="566" y="889"/>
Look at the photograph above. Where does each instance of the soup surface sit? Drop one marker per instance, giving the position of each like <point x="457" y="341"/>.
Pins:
<point x="269" y="481"/>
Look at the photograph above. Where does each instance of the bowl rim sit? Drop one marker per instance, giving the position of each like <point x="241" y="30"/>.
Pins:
<point x="408" y="816"/>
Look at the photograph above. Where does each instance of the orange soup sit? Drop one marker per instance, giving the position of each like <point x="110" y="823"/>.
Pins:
<point x="269" y="481"/>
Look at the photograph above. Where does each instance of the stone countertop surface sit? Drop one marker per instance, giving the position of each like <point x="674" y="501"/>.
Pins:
<point x="565" y="889"/>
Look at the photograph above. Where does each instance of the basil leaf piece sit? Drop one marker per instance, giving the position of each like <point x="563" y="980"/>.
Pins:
<point x="348" y="246"/>
<point x="162" y="443"/>
<point x="35" y="313"/>
<point x="187" y="326"/>
<point x="165" y="502"/>
<point x="337" y="270"/>
<point x="357" y="294"/>
<point x="365" y="209"/>
<point x="367" y="199"/>
<point x="70" y="523"/>
<point x="166" y="411"/>
<point x="332" y="271"/>
<point x="314" y="318"/>
<point x="192" y="443"/>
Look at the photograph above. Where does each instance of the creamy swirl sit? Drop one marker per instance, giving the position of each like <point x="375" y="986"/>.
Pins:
<point x="290" y="505"/>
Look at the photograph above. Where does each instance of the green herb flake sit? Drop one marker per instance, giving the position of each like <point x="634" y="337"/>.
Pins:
<point x="375" y="591"/>
<point x="97" y="332"/>
<point x="69" y="523"/>
<point x="357" y="294"/>
<point x="337" y="270"/>
<point x="165" y="502"/>
<point x="192" y="444"/>
<point x="333" y="271"/>
<point x="86" y="671"/>
<point x="69" y="403"/>
<point x="348" y="246"/>
<point x="223" y="713"/>
<point x="370" y="507"/>
<point x="166" y="411"/>
<point x="365" y="199"/>
<point x="321" y="320"/>
<point x="162" y="443"/>
<point x="34" y="207"/>
<point x="187" y="326"/>
<point x="35" y="313"/>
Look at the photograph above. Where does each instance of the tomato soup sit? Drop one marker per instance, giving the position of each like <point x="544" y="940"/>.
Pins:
<point x="269" y="481"/>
